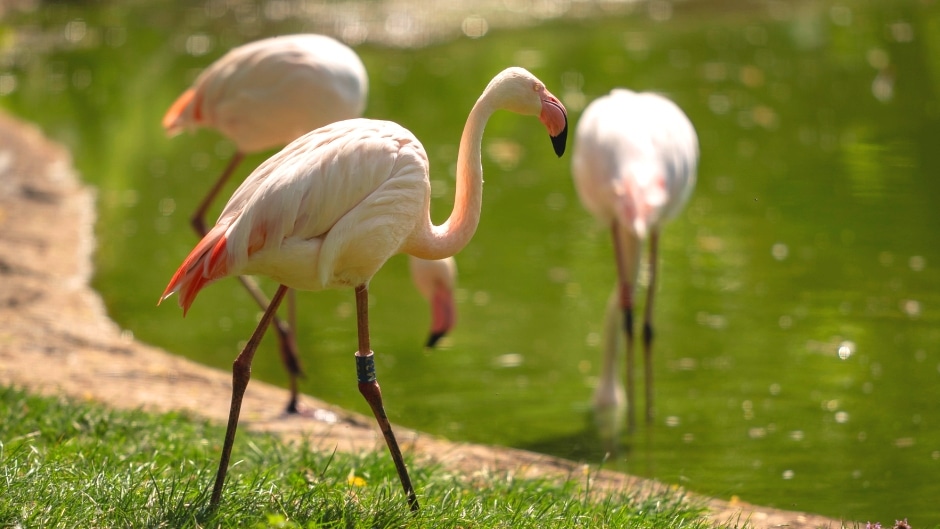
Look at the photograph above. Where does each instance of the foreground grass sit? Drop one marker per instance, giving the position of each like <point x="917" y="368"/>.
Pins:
<point x="77" y="464"/>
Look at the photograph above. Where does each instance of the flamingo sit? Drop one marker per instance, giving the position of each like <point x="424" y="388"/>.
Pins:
<point x="329" y="209"/>
<point x="634" y="161"/>
<point x="265" y="94"/>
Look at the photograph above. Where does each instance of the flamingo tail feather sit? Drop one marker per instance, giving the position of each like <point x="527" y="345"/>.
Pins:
<point x="175" y="119"/>
<point x="206" y="263"/>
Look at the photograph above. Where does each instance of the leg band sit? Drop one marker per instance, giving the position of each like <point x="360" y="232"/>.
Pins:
<point x="365" y="368"/>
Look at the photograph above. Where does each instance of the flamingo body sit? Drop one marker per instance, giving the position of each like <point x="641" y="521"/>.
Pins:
<point x="634" y="159"/>
<point x="325" y="212"/>
<point x="269" y="92"/>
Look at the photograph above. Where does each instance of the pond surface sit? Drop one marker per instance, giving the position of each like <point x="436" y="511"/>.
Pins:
<point x="797" y="359"/>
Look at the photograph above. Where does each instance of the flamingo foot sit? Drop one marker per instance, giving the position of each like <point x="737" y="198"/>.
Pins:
<point x="433" y="338"/>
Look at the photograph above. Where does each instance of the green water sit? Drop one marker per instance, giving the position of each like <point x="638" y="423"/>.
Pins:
<point x="812" y="229"/>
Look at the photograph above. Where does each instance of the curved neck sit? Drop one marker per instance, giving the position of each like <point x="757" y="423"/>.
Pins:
<point x="438" y="242"/>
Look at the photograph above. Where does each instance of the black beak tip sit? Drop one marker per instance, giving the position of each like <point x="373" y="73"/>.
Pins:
<point x="559" y="142"/>
<point x="434" y="338"/>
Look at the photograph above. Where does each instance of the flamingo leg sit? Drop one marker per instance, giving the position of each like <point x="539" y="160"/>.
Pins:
<point x="285" y="334"/>
<point x="625" y="283"/>
<point x="369" y="388"/>
<point x="648" y="325"/>
<point x="241" y="373"/>
<point x="287" y="339"/>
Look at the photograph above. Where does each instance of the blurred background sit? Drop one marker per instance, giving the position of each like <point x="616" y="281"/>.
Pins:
<point x="798" y="346"/>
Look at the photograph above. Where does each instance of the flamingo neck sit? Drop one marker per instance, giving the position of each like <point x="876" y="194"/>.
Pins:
<point x="445" y="240"/>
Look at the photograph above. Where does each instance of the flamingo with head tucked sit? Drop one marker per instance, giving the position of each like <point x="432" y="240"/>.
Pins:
<point x="330" y="208"/>
<point x="634" y="161"/>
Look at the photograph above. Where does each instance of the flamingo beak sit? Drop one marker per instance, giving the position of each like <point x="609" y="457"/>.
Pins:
<point x="555" y="118"/>
<point x="443" y="314"/>
<point x="559" y="141"/>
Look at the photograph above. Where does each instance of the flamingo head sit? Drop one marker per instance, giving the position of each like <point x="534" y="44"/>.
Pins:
<point x="443" y="314"/>
<point x="521" y="92"/>
<point x="435" y="280"/>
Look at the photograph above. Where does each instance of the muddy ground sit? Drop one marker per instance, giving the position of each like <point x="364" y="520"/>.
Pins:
<point x="57" y="339"/>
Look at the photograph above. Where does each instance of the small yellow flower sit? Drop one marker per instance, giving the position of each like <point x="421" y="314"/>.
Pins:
<point x="355" y="480"/>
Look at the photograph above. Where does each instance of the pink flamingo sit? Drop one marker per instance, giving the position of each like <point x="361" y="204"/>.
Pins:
<point x="634" y="161"/>
<point x="330" y="208"/>
<point x="266" y="94"/>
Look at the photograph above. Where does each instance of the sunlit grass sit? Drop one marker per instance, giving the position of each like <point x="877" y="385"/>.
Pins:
<point x="80" y="464"/>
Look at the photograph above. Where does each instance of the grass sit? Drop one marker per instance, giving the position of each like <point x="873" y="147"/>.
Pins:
<point x="80" y="464"/>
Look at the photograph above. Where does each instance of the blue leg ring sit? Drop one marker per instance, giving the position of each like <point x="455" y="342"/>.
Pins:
<point x="365" y="369"/>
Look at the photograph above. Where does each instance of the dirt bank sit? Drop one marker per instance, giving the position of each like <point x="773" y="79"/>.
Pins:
<point x="55" y="338"/>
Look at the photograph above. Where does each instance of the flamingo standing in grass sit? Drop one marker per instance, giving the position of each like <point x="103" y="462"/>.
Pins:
<point x="634" y="161"/>
<point x="330" y="208"/>
<point x="266" y="94"/>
